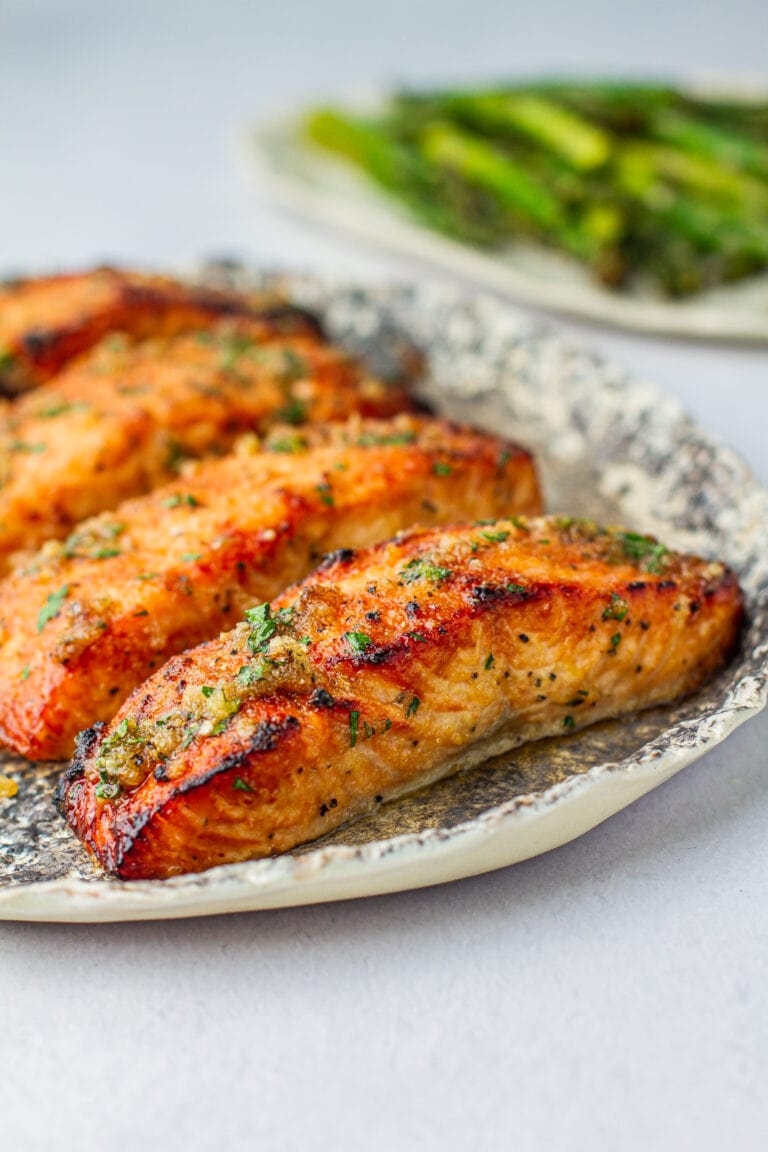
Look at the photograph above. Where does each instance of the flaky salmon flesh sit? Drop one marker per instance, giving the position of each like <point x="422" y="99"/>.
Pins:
<point x="47" y="321"/>
<point x="120" y="420"/>
<point x="385" y="670"/>
<point x="87" y="620"/>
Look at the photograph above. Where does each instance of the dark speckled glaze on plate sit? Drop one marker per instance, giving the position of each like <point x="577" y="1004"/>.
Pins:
<point x="608" y="447"/>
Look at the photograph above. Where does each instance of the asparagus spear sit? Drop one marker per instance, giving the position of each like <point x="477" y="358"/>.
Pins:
<point x="582" y="145"/>
<point x="729" y="151"/>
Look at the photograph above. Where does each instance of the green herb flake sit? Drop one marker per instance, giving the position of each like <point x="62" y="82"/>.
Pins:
<point x="615" y="639"/>
<point x="24" y="446"/>
<point x="441" y="469"/>
<point x="325" y="493"/>
<point x="291" y="444"/>
<point x="52" y="606"/>
<point x="373" y="439"/>
<point x="54" y="410"/>
<point x="25" y="672"/>
<point x="516" y="589"/>
<point x="354" y="720"/>
<point x="495" y="537"/>
<point x="294" y="367"/>
<point x="207" y="690"/>
<point x="141" y="612"/>
<point x="413" y="707"/>
<point x="644" y="550"/>
<point x="358" y="642"/>
<point x="241" y="785"/>
<point x="148" y="576"/>
<point x="568" y="722"/>
<point x="105" y="553"/>
<point x="250" y="674"/>
<point x="617" y="609"/>
<point x="180" y="498"/>
<point x="489" y="663"/>
<point x="191" y="557"/>
<point x="294" y="412"/>
<point x="106" y="789"/>
<point x="264" y="627"/>
<point x="418" y="569"/>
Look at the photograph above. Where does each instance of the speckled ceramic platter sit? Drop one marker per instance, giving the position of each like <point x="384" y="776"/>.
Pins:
<point x="608" y="446"/>
<point x="318" y="186"/>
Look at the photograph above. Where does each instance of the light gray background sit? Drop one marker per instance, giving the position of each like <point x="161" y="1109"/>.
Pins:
<point x="611" y="995"/>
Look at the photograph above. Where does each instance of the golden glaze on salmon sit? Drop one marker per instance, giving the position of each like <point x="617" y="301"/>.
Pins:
<point x="384" y="671"/>
<point x="46" y="322"/>
<point x="119" y="421"/>
<point x="86" y="621"/>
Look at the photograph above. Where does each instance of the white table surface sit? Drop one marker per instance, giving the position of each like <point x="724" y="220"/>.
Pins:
<point x="611" y="995"/>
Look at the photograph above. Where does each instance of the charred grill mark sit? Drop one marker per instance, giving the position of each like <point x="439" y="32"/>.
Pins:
<point x="265" y="738"/>
<point x="320" y="698"/>
<point x="340" y="556"/>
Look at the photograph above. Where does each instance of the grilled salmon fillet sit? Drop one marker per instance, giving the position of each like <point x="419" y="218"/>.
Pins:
<point x="119" y="421"/>
<point x="386" y="670"/>
<point x="47" y="321"/>
<point x="91" y="618"/>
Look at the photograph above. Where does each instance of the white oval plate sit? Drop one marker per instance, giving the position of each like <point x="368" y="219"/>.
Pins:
<point x="318" y="186"/>
<point x="609" y="447"/>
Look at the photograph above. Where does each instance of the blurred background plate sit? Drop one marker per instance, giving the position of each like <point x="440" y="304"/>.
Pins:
<point x="317" y="185"/>
<point x="608" y="447"/>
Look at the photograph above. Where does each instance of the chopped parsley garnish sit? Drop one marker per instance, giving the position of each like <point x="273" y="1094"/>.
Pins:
<point x="294" y="412"/>
<point x="516" y="588"/>
<point x="325" y="493"/>
<point x="568" y="722"/>
<point x="288" y="444"/>
<point x="52" y="607"/>
<point x="294" y="367"/>
<point x="419" y="636"/>
<point x="358" y="642"/>
<point x="263" y="627"/>
<point x="354" y="720"/>
<point x="241" y="785"/>
<point x="441" y="469"/>
<point x="179" y="498"/>
<point x="106" y="789"/>
<point x="418" y="569"/>
<point x="207" y="690"/>
<point x="495" y="537"/>
<point x="105" y="553"/>
<point x="489" y="661"/>
<point x="617" y="609"/>
<point x="371" y="439"/>
<point x="191" y="556"/>
<point x="23" y="446"/>
<point x="250" y="674"/>
<point x="413" y="707"/>
<point x="148" y="576"/>
<point x="643" y="549"/>
<point x="615" y="639"/>
<point x="54" y="410"/>
<point x="25" y="672"/>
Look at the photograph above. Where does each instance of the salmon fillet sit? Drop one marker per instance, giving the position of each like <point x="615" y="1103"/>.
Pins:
<point x="89" y="619"/>
<point x="119" y="421"/>
<point x="386" y="670"/>
<point x="47" y="321"/>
